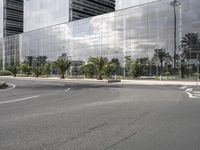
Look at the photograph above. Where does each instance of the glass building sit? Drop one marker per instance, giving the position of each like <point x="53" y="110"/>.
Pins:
<point x="123" y="4"/>
<point x="43" y="13"/>
<point x="134" y="32"/>
<point x="80" y="9"/>
<point x="11" y="17"/>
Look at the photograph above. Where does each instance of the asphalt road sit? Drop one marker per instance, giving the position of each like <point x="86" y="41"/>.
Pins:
<point x="52" y="115"/>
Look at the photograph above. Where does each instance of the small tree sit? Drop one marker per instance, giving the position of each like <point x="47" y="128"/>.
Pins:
<point x="88" y="70"/>
<point x="109" y="69"/>
<point x="13" y="70"/>
<point x="118" y="66"/>
<point x="46" y="69"/>
<point x="37" y="71"/>
<point x="128" y="62"/>
<point x="99" y="64"/>
<point x="62" y="64"/>
<point x="25" y="69"/>
<point x="135" y="69"/>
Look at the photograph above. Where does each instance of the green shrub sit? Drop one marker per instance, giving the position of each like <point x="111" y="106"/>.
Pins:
<point x="5" y="73"/>
<point x="196" y="75"/>
<point x="37" y="71"/>
<point x="168" y="75"/>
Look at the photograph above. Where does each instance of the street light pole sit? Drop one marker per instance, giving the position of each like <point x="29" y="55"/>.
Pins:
<point x="174" y="4"/>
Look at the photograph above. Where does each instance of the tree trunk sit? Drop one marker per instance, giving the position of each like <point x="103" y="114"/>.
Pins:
<point x="100" y="77"/>
<point x="63" y="76"/>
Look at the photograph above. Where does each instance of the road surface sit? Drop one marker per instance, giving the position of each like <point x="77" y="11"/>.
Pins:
<point x="53" y="115"/>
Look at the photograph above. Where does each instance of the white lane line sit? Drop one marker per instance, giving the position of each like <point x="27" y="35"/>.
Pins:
<point x="67" y="90"/>
<point x="12" y="86"/>
<point x="197" y="92"/>
<point x="196" y="95"/>
<point x="189" y="89"/>
<point x="183" y="87"/>
<point x="191" y="96"/>
<point x="18" y="100"/>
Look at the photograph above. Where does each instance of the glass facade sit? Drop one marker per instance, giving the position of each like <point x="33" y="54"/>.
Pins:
<point x="42" y="13"/>
<point x="122" y="4"/>
<point x="11" y="17"/>
<point x="80" y="9"/>
<point x="134" y="32"/>
<point x="1" y="18"/>
<point x="39" y="14"/>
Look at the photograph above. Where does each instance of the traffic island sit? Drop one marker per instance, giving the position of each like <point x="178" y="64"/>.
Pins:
<point x="3" y="85"/>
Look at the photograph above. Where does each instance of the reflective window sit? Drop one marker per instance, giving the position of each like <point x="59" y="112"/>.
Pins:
<point x="122" y="4"/>
<point x="1" y="18"/>
<point x="43" y="13"/>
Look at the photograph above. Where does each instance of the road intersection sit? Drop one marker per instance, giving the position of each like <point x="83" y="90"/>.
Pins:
<point x="53" y="115"/>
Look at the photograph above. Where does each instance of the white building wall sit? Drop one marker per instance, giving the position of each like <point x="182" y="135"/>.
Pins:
<point x="43" y="13"/>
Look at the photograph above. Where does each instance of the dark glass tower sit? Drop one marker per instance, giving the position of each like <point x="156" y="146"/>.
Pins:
<point x="80" y="9"/>
<point x="12" y="17"/>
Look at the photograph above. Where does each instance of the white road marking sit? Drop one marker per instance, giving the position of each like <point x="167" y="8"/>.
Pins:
<point x="67" y="90"/>
<point x="196" y="95"/>
<point x="18" y="100"/>
<point x="183" y="87"/>
<point x="189" y="89"/>
<point x="191" y="96"/>
<point x="12" y="86"/>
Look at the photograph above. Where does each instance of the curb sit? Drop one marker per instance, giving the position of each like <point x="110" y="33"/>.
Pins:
<point x="123" y="82"/>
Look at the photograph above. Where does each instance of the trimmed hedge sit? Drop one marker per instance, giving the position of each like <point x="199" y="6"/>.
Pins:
<point x="5" y="73"/>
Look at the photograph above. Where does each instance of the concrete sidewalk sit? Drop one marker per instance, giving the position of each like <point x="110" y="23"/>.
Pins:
<point x="156" y="82"/>
<point x="123" y="82"/>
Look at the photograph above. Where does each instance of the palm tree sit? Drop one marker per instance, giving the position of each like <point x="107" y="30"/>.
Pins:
<point x="191" y="45"/>
<point x="99" y="64"/>
<point x="13" y="70"/>
<point x="25" y="69"/>
<point x="47" y="69"/>
<point x="109" y="69"/>
<point x="62" y="64"/>
<point x="161" y="56"/>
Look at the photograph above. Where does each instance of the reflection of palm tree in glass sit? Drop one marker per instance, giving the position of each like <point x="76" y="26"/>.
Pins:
<point x="62" y="64"/>
<point x="191" y="49"/>
<point x="191" y="45"/>
<point x="99" y="63"/>
<point x="161" y="56"/>
<point x="174" y="4"/>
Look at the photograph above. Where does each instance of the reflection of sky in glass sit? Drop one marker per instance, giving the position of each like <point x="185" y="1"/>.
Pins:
<point x="135" y="32"/>
<point x="1" y="18"/>
<point x="43" y="13"/>
<point x="121" y="4"/>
